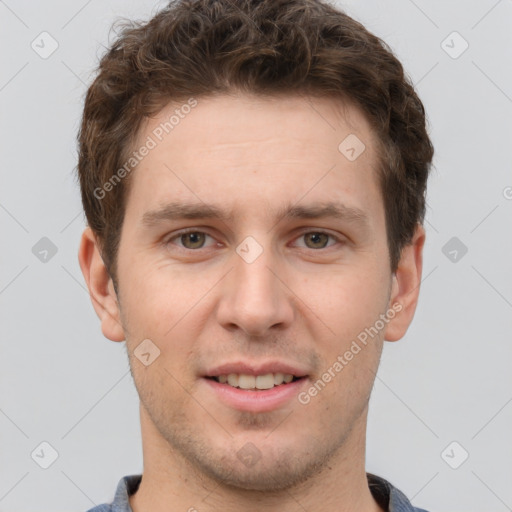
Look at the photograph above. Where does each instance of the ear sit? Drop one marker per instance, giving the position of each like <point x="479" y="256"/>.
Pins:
<point x="101" y="287"/>
<point x="406" y="286"/>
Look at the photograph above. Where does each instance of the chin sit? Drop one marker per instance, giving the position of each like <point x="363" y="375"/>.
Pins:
<point x="268" y="474"/>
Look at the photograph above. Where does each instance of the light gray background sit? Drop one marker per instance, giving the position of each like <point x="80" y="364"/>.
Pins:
<point x="448" y="380"/>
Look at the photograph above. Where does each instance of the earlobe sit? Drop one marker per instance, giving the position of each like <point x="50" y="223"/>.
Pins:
<point x="101" y="289"/>
<point x="406" y="286"/>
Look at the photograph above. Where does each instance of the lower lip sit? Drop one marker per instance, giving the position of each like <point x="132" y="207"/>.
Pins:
<point x="263" y="400"/>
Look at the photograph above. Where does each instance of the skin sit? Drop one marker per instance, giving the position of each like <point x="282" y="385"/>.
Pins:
<point x="304" y="300"/>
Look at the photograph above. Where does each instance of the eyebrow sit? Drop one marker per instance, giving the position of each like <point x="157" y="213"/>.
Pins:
<point x="179" y="211"/>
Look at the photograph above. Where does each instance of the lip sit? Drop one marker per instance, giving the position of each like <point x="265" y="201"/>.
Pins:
<point x="255" y="369"/>
<point x="255" y="401"/>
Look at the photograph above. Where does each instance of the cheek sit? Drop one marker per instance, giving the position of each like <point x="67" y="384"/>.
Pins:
<point x="156" y="297"/>
<point x="345" y="300"/>
<point x="167" y="307"/>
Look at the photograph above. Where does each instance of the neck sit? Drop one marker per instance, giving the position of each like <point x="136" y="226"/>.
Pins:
<point x="171" y="483"/>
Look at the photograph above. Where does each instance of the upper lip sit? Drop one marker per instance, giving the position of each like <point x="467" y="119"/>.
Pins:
<point x="254" y="368"/>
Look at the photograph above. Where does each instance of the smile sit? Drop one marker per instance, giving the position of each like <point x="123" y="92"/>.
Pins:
<point x="255" y="382"/>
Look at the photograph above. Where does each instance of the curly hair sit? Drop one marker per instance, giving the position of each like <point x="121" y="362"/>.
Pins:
<point x="197" y="48"/>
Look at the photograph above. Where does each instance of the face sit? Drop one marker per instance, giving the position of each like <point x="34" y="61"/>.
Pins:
<point x="254" y="249"/>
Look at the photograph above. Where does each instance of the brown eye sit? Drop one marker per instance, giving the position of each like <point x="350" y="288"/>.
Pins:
<point x="316" y="240"/>
<point x="193" y="240"/>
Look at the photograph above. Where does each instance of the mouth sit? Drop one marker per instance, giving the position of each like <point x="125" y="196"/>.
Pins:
<point x="256" y="382"/>
<point x="255" y="392"/>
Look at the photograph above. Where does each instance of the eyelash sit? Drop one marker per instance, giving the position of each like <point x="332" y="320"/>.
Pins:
<point x="194" y="230"/>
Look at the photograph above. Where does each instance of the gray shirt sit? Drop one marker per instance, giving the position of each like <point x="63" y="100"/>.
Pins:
<point x="387" y="496"/>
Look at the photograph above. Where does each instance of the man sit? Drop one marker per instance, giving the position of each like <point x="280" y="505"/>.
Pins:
<point x="253" y="175"/>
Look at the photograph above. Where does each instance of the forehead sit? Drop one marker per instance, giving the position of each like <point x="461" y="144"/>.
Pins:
<point x="239" y="118"/>
<point x="244" y="150"/>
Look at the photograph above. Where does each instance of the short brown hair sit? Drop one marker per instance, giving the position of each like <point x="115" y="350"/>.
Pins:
<point x="196" y="48"/>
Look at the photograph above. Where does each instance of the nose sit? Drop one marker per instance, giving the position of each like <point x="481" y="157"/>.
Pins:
<point x="254" y="298"/>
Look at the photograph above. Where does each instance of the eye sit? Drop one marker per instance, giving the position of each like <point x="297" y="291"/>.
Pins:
<point x="190" y="239"/>
<point x="194" y="240"/>
<point x="317" y="239"/>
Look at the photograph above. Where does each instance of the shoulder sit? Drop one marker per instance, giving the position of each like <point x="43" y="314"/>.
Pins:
<point x="388" y="496"/>
<point x="121" y="503"/>
<point x="101" y="508"/>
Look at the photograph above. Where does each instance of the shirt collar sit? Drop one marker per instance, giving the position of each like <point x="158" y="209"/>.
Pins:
<point x="387" y="496"/>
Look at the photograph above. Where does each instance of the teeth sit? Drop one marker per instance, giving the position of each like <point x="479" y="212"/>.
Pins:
<point x="243" y="381"/>
<point x="246" y="381"/>
<point x="265" y="381"/>
<point x="233" y="380"/>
